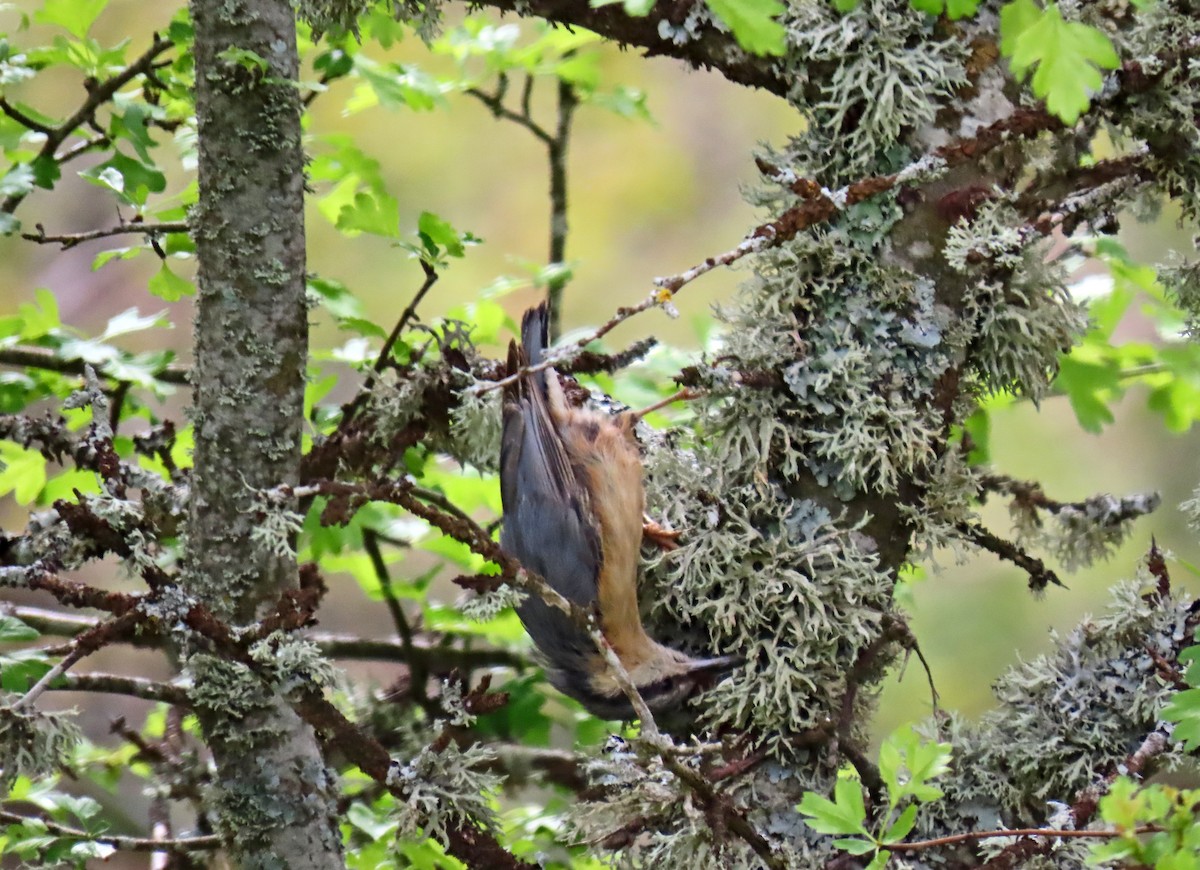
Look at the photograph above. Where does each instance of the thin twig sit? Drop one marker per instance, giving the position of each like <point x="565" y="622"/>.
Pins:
<point x="556" y="152"/>
<point x="134" y="687"/>
<point x="972" y="836"/>
<point x="98" y="94"/>
<point x="70" y="240"/>
<point x="385" y="353"/>
<point x="24" y="120"/>
<point x="128" y="844"/>
<point x="561" y="355"/>
<point x="47" y="360"/>
<point x="60" y="668"/>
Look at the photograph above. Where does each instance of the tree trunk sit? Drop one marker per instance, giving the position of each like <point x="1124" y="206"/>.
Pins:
<point x="274" y="795"/>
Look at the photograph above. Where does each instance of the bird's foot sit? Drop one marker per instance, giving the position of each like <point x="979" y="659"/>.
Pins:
<point x="663" y="538"/>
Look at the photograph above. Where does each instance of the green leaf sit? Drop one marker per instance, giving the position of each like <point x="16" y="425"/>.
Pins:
<point x="436" y="233"/>
<point x="845" y="814"/>
<point x="376" y="213"/>
<point x="959" y="9"/>
<point x="21" y="669"/>
<point x="75" y="16"/>
<point x="902" y="827"/>
<point x="1016" y="17"/>
<point x="879" y="861"/>
<point x="1090" y="386"/>
<point x="1068" y="56"/>
<point x="132" y="180"/>
<point x="22" y="472"/>
<point x="952" y="9"/>
<point x="854" y="846"/>
<point x="753" y="24"/>
<point x="13" y="630"/>
<point x="1184" y="710"/>
<point x="40" y="317"/>
<point x="168" y="286"/>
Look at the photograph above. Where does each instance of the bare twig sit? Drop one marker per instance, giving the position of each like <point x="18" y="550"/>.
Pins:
<point x="556" y="150"/>
<point x="41" y="358"/>
<point x="70" y="240"/>
<point x="128" y="844"/>
<point x="1039" y="575"/>
<point x="1053" y="833"/>
<point x="562" y="355"/>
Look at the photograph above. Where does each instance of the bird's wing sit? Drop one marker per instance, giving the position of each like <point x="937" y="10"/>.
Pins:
<point x="548" y="524"/>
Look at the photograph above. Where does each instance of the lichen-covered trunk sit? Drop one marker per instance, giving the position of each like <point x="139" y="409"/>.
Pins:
<point x="274" y="795"/>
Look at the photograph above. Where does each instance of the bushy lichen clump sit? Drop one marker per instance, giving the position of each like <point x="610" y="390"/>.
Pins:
<point x="1015" y="315"/>
<point x="1161" y="41"/>
<point x="864" y="78"/>
<point x="1064" y="718"/>
<point x="33" y="743"/>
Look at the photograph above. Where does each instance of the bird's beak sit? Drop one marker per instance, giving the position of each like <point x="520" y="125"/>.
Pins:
<point x="717" y="665"/>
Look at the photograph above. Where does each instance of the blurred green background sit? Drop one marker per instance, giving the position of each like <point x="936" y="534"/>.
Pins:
<point x="646" y="199"/>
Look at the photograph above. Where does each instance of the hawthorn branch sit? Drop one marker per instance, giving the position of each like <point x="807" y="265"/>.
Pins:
<point x="1039" y="575"/>
<point x="1052" y="833"/>
<point x="203" y="843"/>
<point x="98" y="94"/>
<point x="48" y="360"/>
<point x="70" y="240"/>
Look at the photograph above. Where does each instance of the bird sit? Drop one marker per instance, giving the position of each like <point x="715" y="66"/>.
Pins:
<point x="573" y="504"/>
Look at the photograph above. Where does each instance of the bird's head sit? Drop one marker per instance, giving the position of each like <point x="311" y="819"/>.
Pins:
<point x="664" y="677"/>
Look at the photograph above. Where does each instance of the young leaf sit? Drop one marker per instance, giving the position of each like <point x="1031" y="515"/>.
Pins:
<point x="1068" y="56"/>
<point x="75" y="16"/>
<point x="845" y="814"/>
<point x="22" y="472"/>
<point x="170" y="287"/>
<point x="753" y="24"/>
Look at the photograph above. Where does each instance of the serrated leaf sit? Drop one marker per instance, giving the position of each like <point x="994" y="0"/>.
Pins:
<point x="1068" y="56"/>
<point x="903" y="825"/>
<point x="75" y="16"/>
<point x="375" y="213"/>
<point x="843" y="815"/>
<point x="22" y="472"/>
<point x="854" y="846"/>
<point x="168" y="286"/>
<point x="753" y="24"/>
<point x="436" y="233"/>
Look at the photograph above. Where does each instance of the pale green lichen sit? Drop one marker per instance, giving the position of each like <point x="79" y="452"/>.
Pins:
<point x="1063" y="717"/>
<point x="491" y="604"/>
<point x="290" y="663"/>
<point x="474" y="435"/>
<point x="1078" y="535"/>
<point x="33" y="743"/>
<point x="864" y="77"/>
<point x="444" y="787"/>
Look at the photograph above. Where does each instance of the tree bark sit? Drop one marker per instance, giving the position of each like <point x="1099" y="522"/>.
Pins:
<point x="274" y="797"/>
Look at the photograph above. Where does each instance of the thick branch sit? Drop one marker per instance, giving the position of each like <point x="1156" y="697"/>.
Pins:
<point x="709" y="48"/>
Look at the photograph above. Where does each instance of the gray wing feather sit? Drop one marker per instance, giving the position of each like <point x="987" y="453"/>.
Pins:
<point x="548" y="524"/>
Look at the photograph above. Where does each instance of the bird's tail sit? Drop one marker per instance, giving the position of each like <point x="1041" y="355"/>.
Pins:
<point x="534" y="334"/>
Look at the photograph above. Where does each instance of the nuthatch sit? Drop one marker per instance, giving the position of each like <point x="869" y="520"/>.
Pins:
<point x="571" y="484"/>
